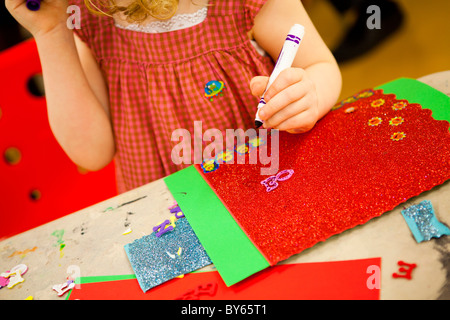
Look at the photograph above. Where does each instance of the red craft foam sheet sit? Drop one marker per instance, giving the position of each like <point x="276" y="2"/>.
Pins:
<point x="364" y="158"/>
<point x="353" y="279"/>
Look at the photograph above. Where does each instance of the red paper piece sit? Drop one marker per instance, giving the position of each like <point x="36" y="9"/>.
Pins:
<point x="321" y="280"/>
<point x="364" y="158"/>
<point x="45" y="184"/>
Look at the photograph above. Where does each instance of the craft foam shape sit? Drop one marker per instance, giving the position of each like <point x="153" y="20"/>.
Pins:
<point x="21" y="268"/>
<point x="62" y="288"/>
<point x="3" y="281"/>
<point x="206" y="200"/>
<point x="405" y="270"/>
<point x="14" y="279"/>
<point x="128" y="231"/>
<point x="423" y="223"/>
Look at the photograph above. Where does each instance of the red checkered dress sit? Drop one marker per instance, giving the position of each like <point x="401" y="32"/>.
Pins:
<point x="157" y="81"/>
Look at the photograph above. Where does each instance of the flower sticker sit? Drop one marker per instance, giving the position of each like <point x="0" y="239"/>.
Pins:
<point x="377" y="103"/>
<point x="365" y="94"/>
<point x="225" y="156"/>
<point x="396" y="121"/>
<point x="256" y="142"/>
<point x="398" y="136"/>
<point x="350" y="110"/>
<point x="209" y="165"/>
<point x="399" y="105"/>
<point x="242" y="149"/>
<point x="375" y="121"/>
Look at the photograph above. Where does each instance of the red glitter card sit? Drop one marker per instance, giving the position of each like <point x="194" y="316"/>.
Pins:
<point x="371" y="153"/>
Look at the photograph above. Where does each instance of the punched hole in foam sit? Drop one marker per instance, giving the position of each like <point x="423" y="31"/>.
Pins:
<point x="12" y="156"/>
<point x="35" y="85"/>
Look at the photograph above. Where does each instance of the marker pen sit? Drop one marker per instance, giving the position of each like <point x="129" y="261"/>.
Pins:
<point x="33" y="5"/>
<point x="285" y="60"/>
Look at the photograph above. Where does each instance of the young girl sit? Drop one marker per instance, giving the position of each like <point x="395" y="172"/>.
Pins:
<point x="137" y="70"/>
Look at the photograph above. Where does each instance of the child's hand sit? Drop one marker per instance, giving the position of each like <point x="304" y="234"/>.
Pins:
<point x="51" y="15"/>
<point x="291" y="101"/>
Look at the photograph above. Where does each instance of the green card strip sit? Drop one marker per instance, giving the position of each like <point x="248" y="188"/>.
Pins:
<point x="418" y="92"/>
<point x="229" y="248"/>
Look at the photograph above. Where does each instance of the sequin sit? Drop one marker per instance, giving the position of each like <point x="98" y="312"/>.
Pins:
<point x="242" y="149"/>
<point x="365" y="94"/>
<point x="209" y="165"/>
<point x="256" y="142"/>
<point x="155" y="260"/>
<point x="225" y="156"/>
<point x="423" y="223"/>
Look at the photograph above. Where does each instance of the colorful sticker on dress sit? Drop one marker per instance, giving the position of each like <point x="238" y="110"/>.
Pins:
<point x="214" y="88"/>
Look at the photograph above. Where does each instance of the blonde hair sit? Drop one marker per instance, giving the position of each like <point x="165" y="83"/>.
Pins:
<point x="137" y="10"/>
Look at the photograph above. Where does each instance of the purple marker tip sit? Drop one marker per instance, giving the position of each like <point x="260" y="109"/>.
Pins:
<point x="33" y="5"/>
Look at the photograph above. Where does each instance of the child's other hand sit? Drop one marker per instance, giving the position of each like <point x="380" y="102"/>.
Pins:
<point x="291" y="101"/>
<point x="51" y="15"/>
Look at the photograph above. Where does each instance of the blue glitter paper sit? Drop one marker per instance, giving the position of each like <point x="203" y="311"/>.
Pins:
<point x="155" y="260"/>
<point x="423" y="223"/>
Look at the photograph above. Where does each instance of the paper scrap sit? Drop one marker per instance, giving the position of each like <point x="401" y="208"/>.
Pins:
<point x="423" y="223"/>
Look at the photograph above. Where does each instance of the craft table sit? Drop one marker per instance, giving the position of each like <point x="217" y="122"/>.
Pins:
<point x="91" y="242"/>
